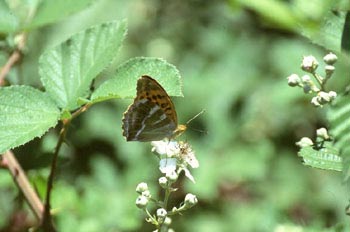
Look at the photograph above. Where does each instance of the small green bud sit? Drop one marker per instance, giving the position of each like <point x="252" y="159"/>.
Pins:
<point x="141" y="202"/>
<point x="330" y="58"/>
<point x="141" y="187"/>
<point x="163" y="182"/>
<point x="293" y="80"/>
<point x="304" y="142"/>
<point x="309" y="64"/>
<point x="322" y="133"/>
<point x="161" y="213"/>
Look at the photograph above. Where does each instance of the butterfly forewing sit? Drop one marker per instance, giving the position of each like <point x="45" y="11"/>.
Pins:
<point x="152" y="115"/>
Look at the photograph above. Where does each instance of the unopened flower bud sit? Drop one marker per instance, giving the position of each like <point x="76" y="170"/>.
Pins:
<point x="304" y="142"/>
<point x="141" y="187"/>
<point x="172" y="176"/>
<point x="315" y="102"/>
<point x="332" y="95"/>
<point x="322" y="133"/>
<point x="323" y="97"/>
<point x="190" y="200"/>
<point x="163" y="182"/>
<point x="329" y="70"/>
<point x="309" y="64"/>
<point x="330" y="58"/>
<point x="161" y="213"/>
<point x="146" y="193"/>
<point x="293" y="80"/>
<point x="141" y="202"/>
<point x="167" y="221"/>
<point x="306" y="79"/>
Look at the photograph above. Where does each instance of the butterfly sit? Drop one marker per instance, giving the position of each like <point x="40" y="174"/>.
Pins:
<point x="152" y="115"/>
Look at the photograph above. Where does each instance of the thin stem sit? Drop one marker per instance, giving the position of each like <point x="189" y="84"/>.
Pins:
<point x="47" y="224"/>
<point x="13" y="59"/>
<point x="10" y="161"/>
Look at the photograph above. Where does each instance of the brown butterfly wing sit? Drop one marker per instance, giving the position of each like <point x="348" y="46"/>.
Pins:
<point x="152" y="116"/>
<point x="148" y="88"/>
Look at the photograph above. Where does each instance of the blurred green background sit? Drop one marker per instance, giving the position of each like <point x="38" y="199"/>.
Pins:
<point x="234" y="57"/>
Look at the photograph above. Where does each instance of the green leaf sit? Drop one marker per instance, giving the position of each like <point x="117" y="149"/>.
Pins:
<point x="25" y="113"/>
<point x="339" y="118"/>
<point x="345" y="42"/>
<point x="50" y="11"/>
<point x="326" y="158"/>
<point x="123" y="84"/>
<point x="68" y="69"/>
<point x="8" y="21"/>
<point x="329" y="34"/>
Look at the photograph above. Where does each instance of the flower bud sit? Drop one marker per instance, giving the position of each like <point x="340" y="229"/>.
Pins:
<point x="329" y="70"/>
<point x="141" y="187"/>
<point x="322" y="133"/>
<point x="332" y="95"/>
<point x="163" y="182"/>
<point x="172" y="176"/>
<point x="146" y="193"/>
<point x="304" y="142"/>
<point x="323" y="97"/>
<point x="293" y="80"/>
<point x="141" y="202"/>
<point x="330" y="58"/>
<point x="161" y="213"/>
<point x="309" y="64"/>
<point x="190" y="200"/>
<point x="315" y="102"/>
<point x="167" y="221"/>
<point x="306" y="79"/>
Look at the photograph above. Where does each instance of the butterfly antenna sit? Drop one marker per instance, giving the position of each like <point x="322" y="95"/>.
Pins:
<point x="194" y="117"/>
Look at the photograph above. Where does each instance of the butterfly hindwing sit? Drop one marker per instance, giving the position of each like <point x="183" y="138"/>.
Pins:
<point x="152" y="115"/>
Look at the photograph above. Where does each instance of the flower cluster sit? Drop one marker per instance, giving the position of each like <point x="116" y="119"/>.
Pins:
<point x="317" y="83"/>
<point x="174" y="158"/>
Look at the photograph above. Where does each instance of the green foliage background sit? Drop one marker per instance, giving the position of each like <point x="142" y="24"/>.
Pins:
<point x="234" y="57"/>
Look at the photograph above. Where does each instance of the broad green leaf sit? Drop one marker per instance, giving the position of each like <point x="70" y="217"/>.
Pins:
<point x="325" y="158"/>
<point x="25" y="113"/>
<point x="123" y="84"/>
<point x="50" y="11"/>
<point x="68" y="69"/>
<point x="339" y="119"/>
<point x="8" y="21"/>
<point x="329" y="34"/>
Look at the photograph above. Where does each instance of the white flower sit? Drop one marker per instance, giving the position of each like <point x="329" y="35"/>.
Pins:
<point x="165" y="147"/>
<point x="167" y="165"/>
<point x="188" y="155"/>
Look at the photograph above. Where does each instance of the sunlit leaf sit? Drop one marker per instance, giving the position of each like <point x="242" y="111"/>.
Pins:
<point x="50" y="11"/>
<point x="123" y="83"/>
<point x="25" y="113"/>
<point x="68" y="69"/>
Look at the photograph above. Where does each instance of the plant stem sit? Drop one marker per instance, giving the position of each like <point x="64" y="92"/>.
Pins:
<point x="10" y="161"/>
<point x="47" y="223"/>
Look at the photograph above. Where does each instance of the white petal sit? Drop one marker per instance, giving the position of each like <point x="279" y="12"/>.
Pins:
<point x="167" y="165"/>
<point x="189" y="175"/>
